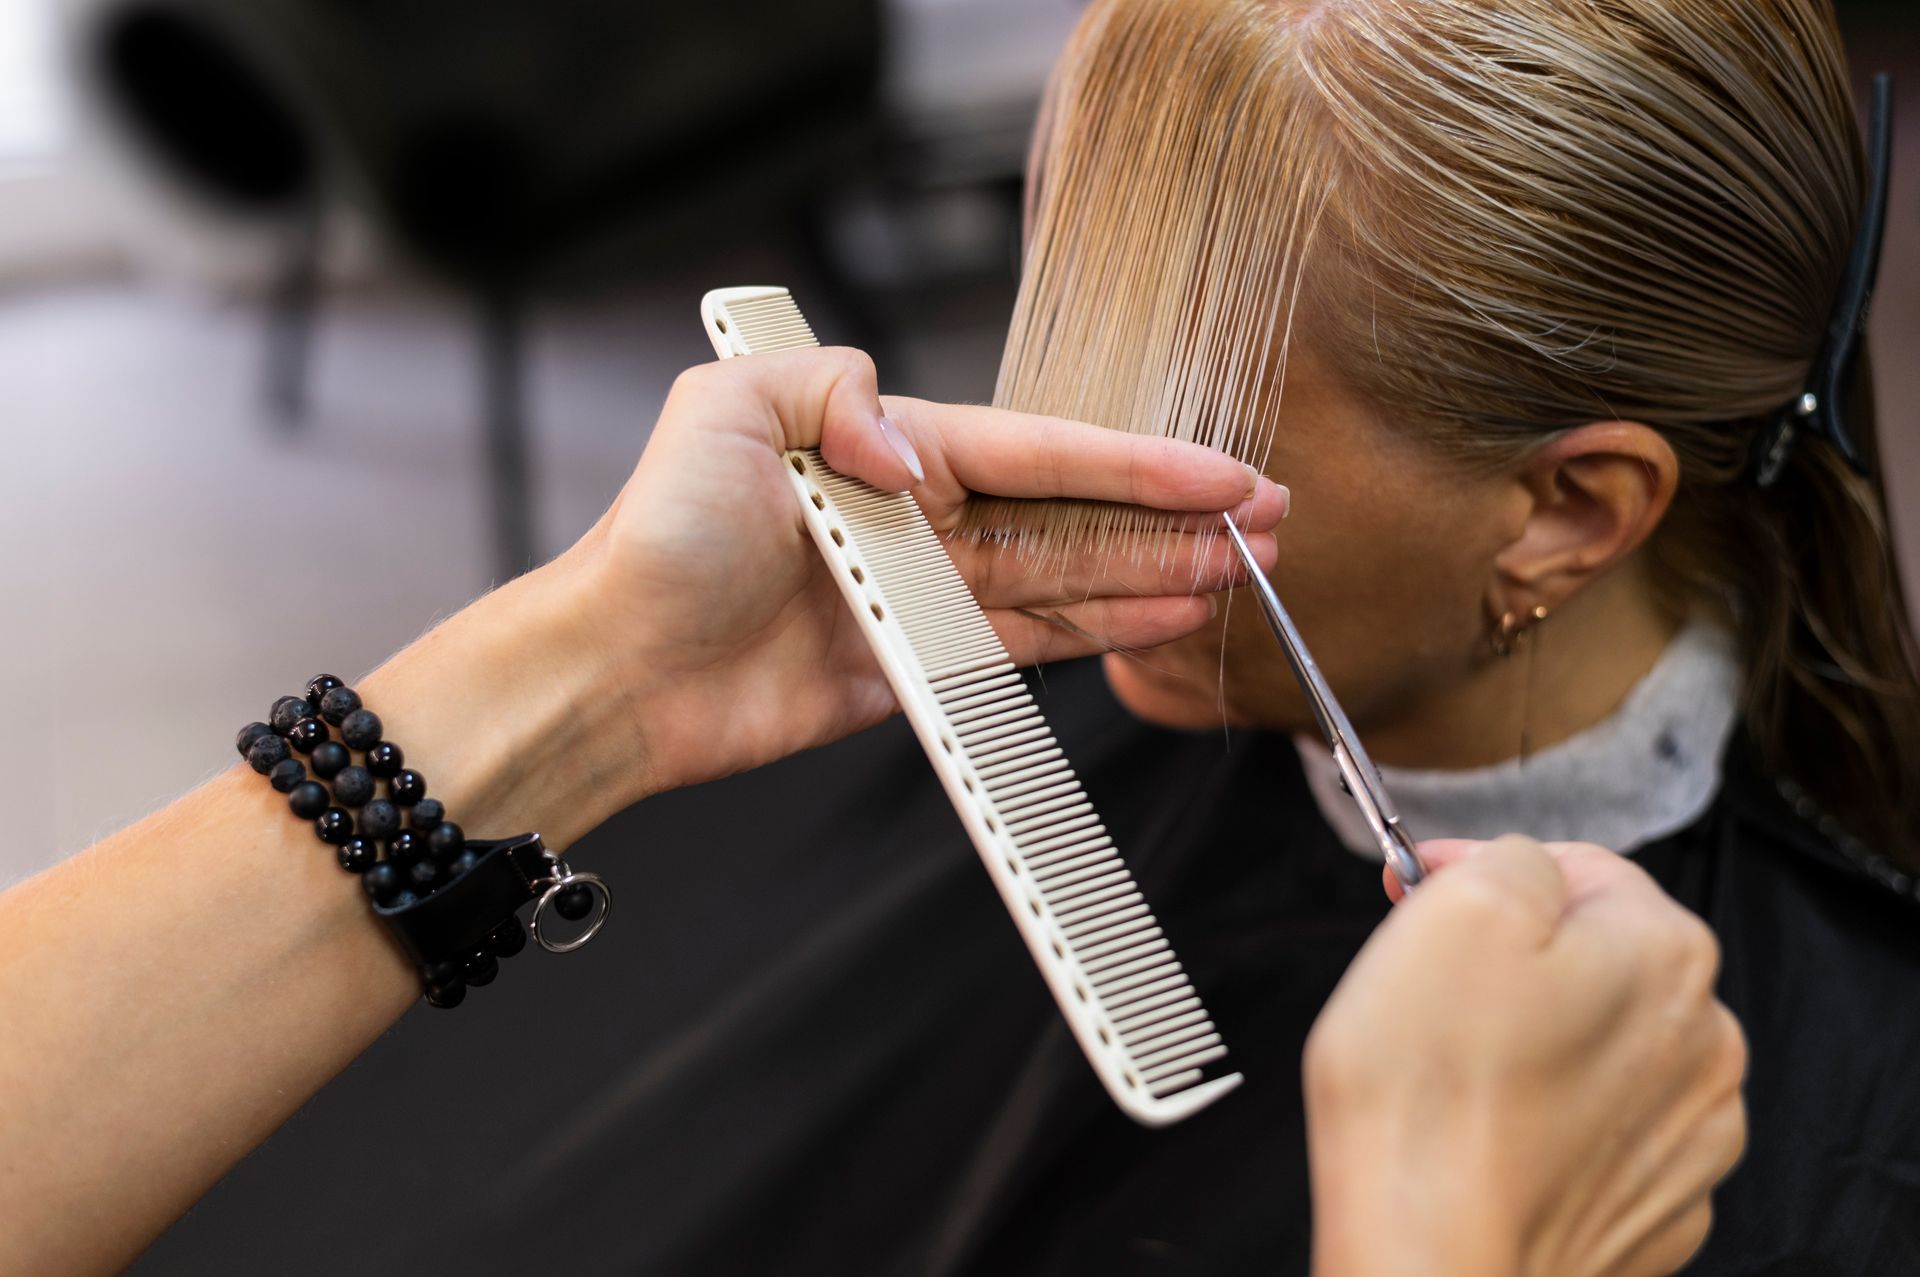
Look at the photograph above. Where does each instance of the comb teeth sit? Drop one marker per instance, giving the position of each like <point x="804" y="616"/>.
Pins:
<point x="1106" y="960"/>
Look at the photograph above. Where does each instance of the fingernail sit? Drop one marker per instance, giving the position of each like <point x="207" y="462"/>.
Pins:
<point x="903" y="448"/>
<point x="1286" y="499"/>
<point x="1213" y="606"/>
<point x="1253" y="480"/>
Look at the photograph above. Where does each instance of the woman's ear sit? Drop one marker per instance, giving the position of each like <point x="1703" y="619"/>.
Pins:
<point x="1593" y="495"/>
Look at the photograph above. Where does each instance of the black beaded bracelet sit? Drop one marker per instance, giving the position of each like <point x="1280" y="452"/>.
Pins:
<point x="452" y="903"/>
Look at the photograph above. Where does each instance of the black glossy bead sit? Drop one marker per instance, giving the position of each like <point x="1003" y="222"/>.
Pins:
<point x="319" y="686"/>
<point x="462" y="863"/>
<point x="328" y="758"/>
<point x="406" y="847"/>
<point x="339" y="703"/>
<point x="243" y="740"/>
<point x="446" y="996"/>
<point x="353" y="786"/>
<point x="481" y="968"/>
<point x="334" y="826"/>
<point x="407" y="787"/>
<point x="266" y="752"/>
<point x="382" y="881"/>
<point x="406" y="898"/>
<point x="443" y="972"/>
<point x="446" y="841"/>
<point x="426" y="813"/>
<point x="507" y="939"/>
<point x="287" y="774"/>
<point x="385" y="759"/>
<point x="306" y="734"/>
<point x="309" y="799"/>
<point x="287" y="711"/>
<point x="380" y="819"/>
<point x="360" y="729"/>
<point x="574" y="903"/>
<point x="357" y="855"/>
<point x="424" y="874"/>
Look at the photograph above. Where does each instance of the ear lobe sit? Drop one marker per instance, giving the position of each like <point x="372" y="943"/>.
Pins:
<point x="1597" y="492"/>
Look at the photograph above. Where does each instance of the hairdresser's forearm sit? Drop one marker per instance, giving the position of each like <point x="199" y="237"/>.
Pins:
<point x="169" y="997"/>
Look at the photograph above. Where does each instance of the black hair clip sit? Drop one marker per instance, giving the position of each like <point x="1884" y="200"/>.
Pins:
<point x="1820" y="410"/>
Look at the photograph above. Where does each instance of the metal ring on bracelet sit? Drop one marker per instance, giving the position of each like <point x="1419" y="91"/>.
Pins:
<point x="565" y="879"/>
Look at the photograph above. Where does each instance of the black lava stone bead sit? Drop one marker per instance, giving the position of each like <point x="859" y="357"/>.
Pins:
<point x="574" y="903"/>
<point x="309" y="799"/>
<point x="424" y="874"/>
<point x="328" y="758"/>
<point x="287" y="711"/>
<point x="446" y="841"/>
<point x="382" y="881"/>
<point x="446" y="996"/>
<point x="335" y="826"/>
<point x="360" y="729"/>
<point x="384" y="760"/>
<point x="266" y="752"/>
<point x="463" y="862"/>
<point x="339" y="703"/>
<point x="406" y="898"/>
<point x="507" y="939"/>
<point x="405" y="847"/>
<point x="249" y="734"/>
<point x="306" y="734"/>
<point x="357" y="855"/>
<point x="481" y="968"/>
<point x="287" y="773"/>
<point x="427" y="813"/>
<point x="353" y="786"/>
<point x="407" y="787"/>
<point x="380" y="819"/>
<point x="318" y="687"/>
<point x="442" y="972"/>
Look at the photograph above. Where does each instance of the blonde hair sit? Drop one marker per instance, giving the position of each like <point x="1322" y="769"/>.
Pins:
<point x="1504" y="219"/>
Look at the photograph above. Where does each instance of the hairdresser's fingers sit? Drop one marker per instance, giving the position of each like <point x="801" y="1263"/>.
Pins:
<point x="1511" y="886"/>
<point x="1177" y="565"/>
<point x="1014" y="454"/>
<point x="827" y="398"/>
<point x="1036" y="636"/>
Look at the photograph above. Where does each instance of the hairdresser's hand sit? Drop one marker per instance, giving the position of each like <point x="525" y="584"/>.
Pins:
<point x="1525" y="1071"/>
<point x="737" y="646"/>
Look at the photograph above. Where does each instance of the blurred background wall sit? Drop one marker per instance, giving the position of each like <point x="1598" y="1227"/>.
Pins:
<point x="316" y="319"/>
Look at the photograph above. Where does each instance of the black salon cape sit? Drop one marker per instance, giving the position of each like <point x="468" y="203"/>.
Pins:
<point x="814" y="1044"/>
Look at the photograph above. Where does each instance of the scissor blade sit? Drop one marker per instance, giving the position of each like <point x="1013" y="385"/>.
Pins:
<point x="1363" y="779"/>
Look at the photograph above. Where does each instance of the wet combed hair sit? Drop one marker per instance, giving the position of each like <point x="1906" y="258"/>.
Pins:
<point x="1505" y="218"/>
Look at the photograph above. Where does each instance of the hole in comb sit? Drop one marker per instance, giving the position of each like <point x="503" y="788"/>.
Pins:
<point x="721" y="324"/>
<point x="1080" y="991"/>
<point x="968" y="782"/>
<point x="946" y="743"/>
<point x="1015" y="866"/>
<point x="837" y="538"/>
<point x="799" y="466"/>
<point x="1132" y="1081"/>
<point x="991" y="827"/>
<point x="1106" y="1039"/>
<point x="1034" y="904"/>
<point x="859" y="577"/>
<point x="878" y="615"/>
<point x="1059" y="950"/>
<point x="819" y="502"/>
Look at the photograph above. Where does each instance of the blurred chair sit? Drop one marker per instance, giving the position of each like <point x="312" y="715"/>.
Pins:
<point x="512" y="146"/>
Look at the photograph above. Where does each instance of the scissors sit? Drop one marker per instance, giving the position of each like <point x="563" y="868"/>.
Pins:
<point x="1358" y="776"/>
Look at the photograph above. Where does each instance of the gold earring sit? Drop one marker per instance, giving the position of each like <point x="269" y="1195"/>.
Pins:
<point x="1508" y="630"/>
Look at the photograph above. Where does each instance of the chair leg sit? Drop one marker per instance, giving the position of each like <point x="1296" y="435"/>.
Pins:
<point x="503" y="377"/>
<point x="290" y="321"/>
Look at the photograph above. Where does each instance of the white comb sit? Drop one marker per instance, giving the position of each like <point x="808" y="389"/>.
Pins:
<point x="1111" y="970"/>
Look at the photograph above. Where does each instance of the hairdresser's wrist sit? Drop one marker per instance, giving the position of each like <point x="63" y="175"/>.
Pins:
<point x="1384" y="1209"/>
<point x="516" y="711"/>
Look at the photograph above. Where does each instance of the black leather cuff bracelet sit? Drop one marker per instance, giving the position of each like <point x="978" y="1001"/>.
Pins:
<point x="452" y="904"/>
